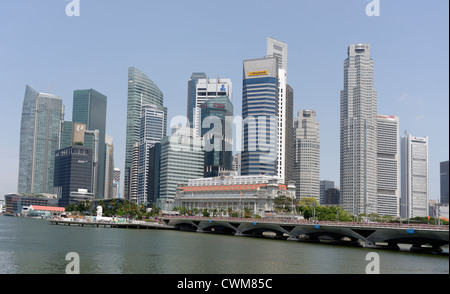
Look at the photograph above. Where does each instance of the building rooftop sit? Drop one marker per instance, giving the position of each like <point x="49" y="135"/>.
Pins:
<point x="47" y="208"/>
<point x="228" y="187"/>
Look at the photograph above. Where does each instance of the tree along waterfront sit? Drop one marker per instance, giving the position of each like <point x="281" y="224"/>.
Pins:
<point x="306" y="208"/>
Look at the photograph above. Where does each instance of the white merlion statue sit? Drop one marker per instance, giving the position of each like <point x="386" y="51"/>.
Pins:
<point x="99" y="211"/>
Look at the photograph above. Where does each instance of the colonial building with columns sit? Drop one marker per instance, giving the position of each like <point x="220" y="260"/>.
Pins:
<point x="228" y="190"/>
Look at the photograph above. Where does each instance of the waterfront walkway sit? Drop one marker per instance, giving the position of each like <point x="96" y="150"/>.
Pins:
<point x="111" y="224"/>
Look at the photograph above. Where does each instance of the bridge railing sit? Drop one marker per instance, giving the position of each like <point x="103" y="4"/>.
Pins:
<point x="327" y="223"/>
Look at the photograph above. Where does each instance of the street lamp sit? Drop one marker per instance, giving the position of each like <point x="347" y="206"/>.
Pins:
<point x="367" y="214"/>
<point x="438" y="205"/>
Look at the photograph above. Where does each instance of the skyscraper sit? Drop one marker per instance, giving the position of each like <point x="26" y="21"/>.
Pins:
<point x="75" y="137"/>
<point x="40" y="130"/>
<point x="201" y="89"/>
<point x="260" y="116"/>
<point x="181" y="160"/>
<point x="73" y="171"/>
<point x="134" y="173"/>
<point x="109" y="167"/>
<point x="388" y="165"/>
<point x="89" y="108"/>
<point x="279" y="50"/>
<point x="285" y="153"/>
<point x="216" y="131"/>
<point x="192" y="96"/>
<point x="141" y="90"/>
<point x="324" y="186"/>
<point x="116" y="183"/>
<point x="152" y="132"/>
<point x="307" y="155"/>
<point x="358" y="133"/>
<point x="287" y="127"/>
<point x="414" y="176"/>
<point x="154" y="172"/>
<point x="444" y="182"/>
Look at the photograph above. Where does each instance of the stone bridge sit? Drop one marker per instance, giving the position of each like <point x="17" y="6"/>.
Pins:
<point x="378" y="235"/>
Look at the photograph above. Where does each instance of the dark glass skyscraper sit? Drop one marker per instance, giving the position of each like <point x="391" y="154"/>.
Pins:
<point x="89" y="108"/>
<point x="73" y="171"/>
<point x="217" y="128"/>
<point x="141" y="91"/>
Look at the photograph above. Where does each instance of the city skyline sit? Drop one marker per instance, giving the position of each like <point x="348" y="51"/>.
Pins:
<point x="419" y="96"/>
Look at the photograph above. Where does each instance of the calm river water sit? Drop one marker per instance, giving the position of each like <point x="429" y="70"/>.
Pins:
<point x="31" y="246"/>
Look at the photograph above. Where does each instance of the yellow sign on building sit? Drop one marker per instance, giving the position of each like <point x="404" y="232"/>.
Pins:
<point x="258" y="73"/>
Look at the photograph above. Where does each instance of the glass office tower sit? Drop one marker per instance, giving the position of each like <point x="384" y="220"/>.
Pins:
<point x="217" y="134"/>
<point x="152" y="124"/>
<point x="260" y="116"/>
<point x="141" y="91"/>
<point x="39" y="139"/>
<point x="89" y="108"/>
<point x="73" y="171"/>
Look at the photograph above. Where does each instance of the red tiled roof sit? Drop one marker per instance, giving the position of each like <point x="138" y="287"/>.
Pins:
<point x="48" y="208"/>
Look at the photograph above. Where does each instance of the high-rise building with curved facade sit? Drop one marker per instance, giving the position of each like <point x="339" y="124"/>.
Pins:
<point x="141" y="91"/>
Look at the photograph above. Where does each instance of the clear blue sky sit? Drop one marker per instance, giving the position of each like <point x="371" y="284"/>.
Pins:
<point x="168" y="40"/>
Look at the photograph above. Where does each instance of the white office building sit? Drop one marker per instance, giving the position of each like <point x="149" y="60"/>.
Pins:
<point x="200" y="89"/>
<point x="279" y="49"/>
<point x="388" y="165"/>
<point x="307" y="155"/>
<point x="182" y="159"/>
<point x="231" y="191"/>
<point x="358" y="133"/>
<point x="414" y="176"/>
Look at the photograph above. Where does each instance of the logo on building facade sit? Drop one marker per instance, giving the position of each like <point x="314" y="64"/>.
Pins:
<point x="258" y="73"/>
